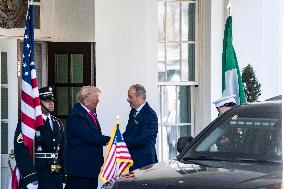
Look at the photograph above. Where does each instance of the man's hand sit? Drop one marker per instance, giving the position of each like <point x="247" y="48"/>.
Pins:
<point x="33" y="185"/>
<point x="107" y="140"/>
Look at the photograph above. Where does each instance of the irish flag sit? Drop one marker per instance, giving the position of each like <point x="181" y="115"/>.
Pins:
<point x="231" y="77"/>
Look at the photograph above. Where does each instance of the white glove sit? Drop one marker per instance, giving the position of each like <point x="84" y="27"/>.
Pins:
<point x="63" y="184"/>
<point x="32" y="186"/>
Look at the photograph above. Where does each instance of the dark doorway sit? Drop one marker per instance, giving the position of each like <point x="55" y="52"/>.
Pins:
<point x="70" y="66"/>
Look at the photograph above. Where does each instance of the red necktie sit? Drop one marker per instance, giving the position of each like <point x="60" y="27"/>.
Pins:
<point x="93" y="117"/>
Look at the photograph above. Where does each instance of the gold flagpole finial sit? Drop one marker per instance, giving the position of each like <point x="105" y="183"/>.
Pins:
<point x="118" y="120"/>
<point x="229" y="7"/>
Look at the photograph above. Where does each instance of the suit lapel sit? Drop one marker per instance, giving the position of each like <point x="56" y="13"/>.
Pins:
<point x="142" y="110"/>
<point x="86" y="114"/>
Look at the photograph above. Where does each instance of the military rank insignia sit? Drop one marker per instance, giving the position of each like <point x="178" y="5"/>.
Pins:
<point x="20" y="138"/>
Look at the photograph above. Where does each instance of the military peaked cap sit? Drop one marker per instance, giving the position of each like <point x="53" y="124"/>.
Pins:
<point x="46" y="93"/>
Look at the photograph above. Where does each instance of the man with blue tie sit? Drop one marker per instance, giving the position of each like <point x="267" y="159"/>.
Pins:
<point x="85" y="141"/>
<point x="142" y="128"/>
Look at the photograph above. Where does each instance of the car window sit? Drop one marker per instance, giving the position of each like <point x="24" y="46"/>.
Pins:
<point x="241" y="135"/>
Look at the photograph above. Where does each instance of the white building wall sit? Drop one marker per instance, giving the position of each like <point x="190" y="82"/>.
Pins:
<point x="125" y="54"/>
<point x="257" y="31"/>
<point x="74" y="21"/>
<point x="218" y="16"/>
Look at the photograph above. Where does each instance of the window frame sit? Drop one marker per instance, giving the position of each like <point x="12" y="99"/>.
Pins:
<point x="190" y="84"/>
<point x="4" y="120"/>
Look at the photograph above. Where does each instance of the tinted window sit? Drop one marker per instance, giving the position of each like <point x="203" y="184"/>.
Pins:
<point x="252" y="133"/>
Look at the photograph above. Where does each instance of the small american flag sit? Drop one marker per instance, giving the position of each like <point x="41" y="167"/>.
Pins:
<point x="117" y="160"/>
<point x="31" y="115"/>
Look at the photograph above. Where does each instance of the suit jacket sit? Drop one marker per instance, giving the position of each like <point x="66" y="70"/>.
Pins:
<point x="84" y="150"/>
<point x="47" y="140"/>
<point x="140" y="136"/>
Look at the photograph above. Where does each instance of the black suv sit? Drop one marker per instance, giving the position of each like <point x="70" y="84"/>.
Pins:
<point x="242" y="148"/>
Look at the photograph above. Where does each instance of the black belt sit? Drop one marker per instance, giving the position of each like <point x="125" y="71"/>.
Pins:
<point x="46" y="155"/>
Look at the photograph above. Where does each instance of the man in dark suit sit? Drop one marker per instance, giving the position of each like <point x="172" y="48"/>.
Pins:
<point x="142" y="128"/>
<point x="47" y="171"/>
<point x="84" y="150"/>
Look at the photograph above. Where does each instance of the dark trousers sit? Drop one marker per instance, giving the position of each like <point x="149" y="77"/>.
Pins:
<point x="75" y="182"/>
<point x="46" y="180"/>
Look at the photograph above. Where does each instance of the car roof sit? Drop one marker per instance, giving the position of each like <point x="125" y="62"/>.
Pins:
<point x="266" y="106"/>
<point x="275" y="98"/>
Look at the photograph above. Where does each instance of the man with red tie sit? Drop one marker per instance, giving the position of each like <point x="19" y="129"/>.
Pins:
<point x="85" y="141"/>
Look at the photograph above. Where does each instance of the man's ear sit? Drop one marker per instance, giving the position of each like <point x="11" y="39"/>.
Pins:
<point x="85" y="102"/>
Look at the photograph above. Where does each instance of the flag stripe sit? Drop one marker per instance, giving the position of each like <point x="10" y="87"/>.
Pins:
<point x="28" y="110"/>
<point x="28" y="131"/>
<point x="28" y="89"/>
<point x="110" y="162"/>
<point x="27" y="120"/>
<point x="33" y="77"/>
<point x="27" y="99"/>
<point x="111" y="174"/>
<point x="123" y="168"/>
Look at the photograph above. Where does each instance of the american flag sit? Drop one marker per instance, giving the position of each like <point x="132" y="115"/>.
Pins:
<point x="117" y="160"/>
<point x="15" y="179"/>
<point x="31" y="115"/>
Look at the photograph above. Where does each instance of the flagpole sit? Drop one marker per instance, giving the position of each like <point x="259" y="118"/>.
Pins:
<point x="118" y="121"/>
<point x="31" y="3"/>
<point x="117" y="125"/>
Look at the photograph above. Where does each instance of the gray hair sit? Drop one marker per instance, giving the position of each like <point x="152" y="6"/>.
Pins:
<point x="140" y="90"/>
<point x="86" y="91"/>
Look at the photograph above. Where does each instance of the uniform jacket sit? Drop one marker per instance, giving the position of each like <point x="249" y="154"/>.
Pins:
<point x="140" y="136"/>
<point x="47" y="140"/>
<point x="84" y="150"/>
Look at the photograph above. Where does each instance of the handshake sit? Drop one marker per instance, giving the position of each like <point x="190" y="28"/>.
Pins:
<point x="33" y="185"/>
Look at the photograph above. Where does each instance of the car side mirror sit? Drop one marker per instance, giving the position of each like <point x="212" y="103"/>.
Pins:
<point x="183" y="142"/>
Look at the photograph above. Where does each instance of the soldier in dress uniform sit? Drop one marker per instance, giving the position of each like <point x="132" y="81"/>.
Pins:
<point x="45" y="170"/>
